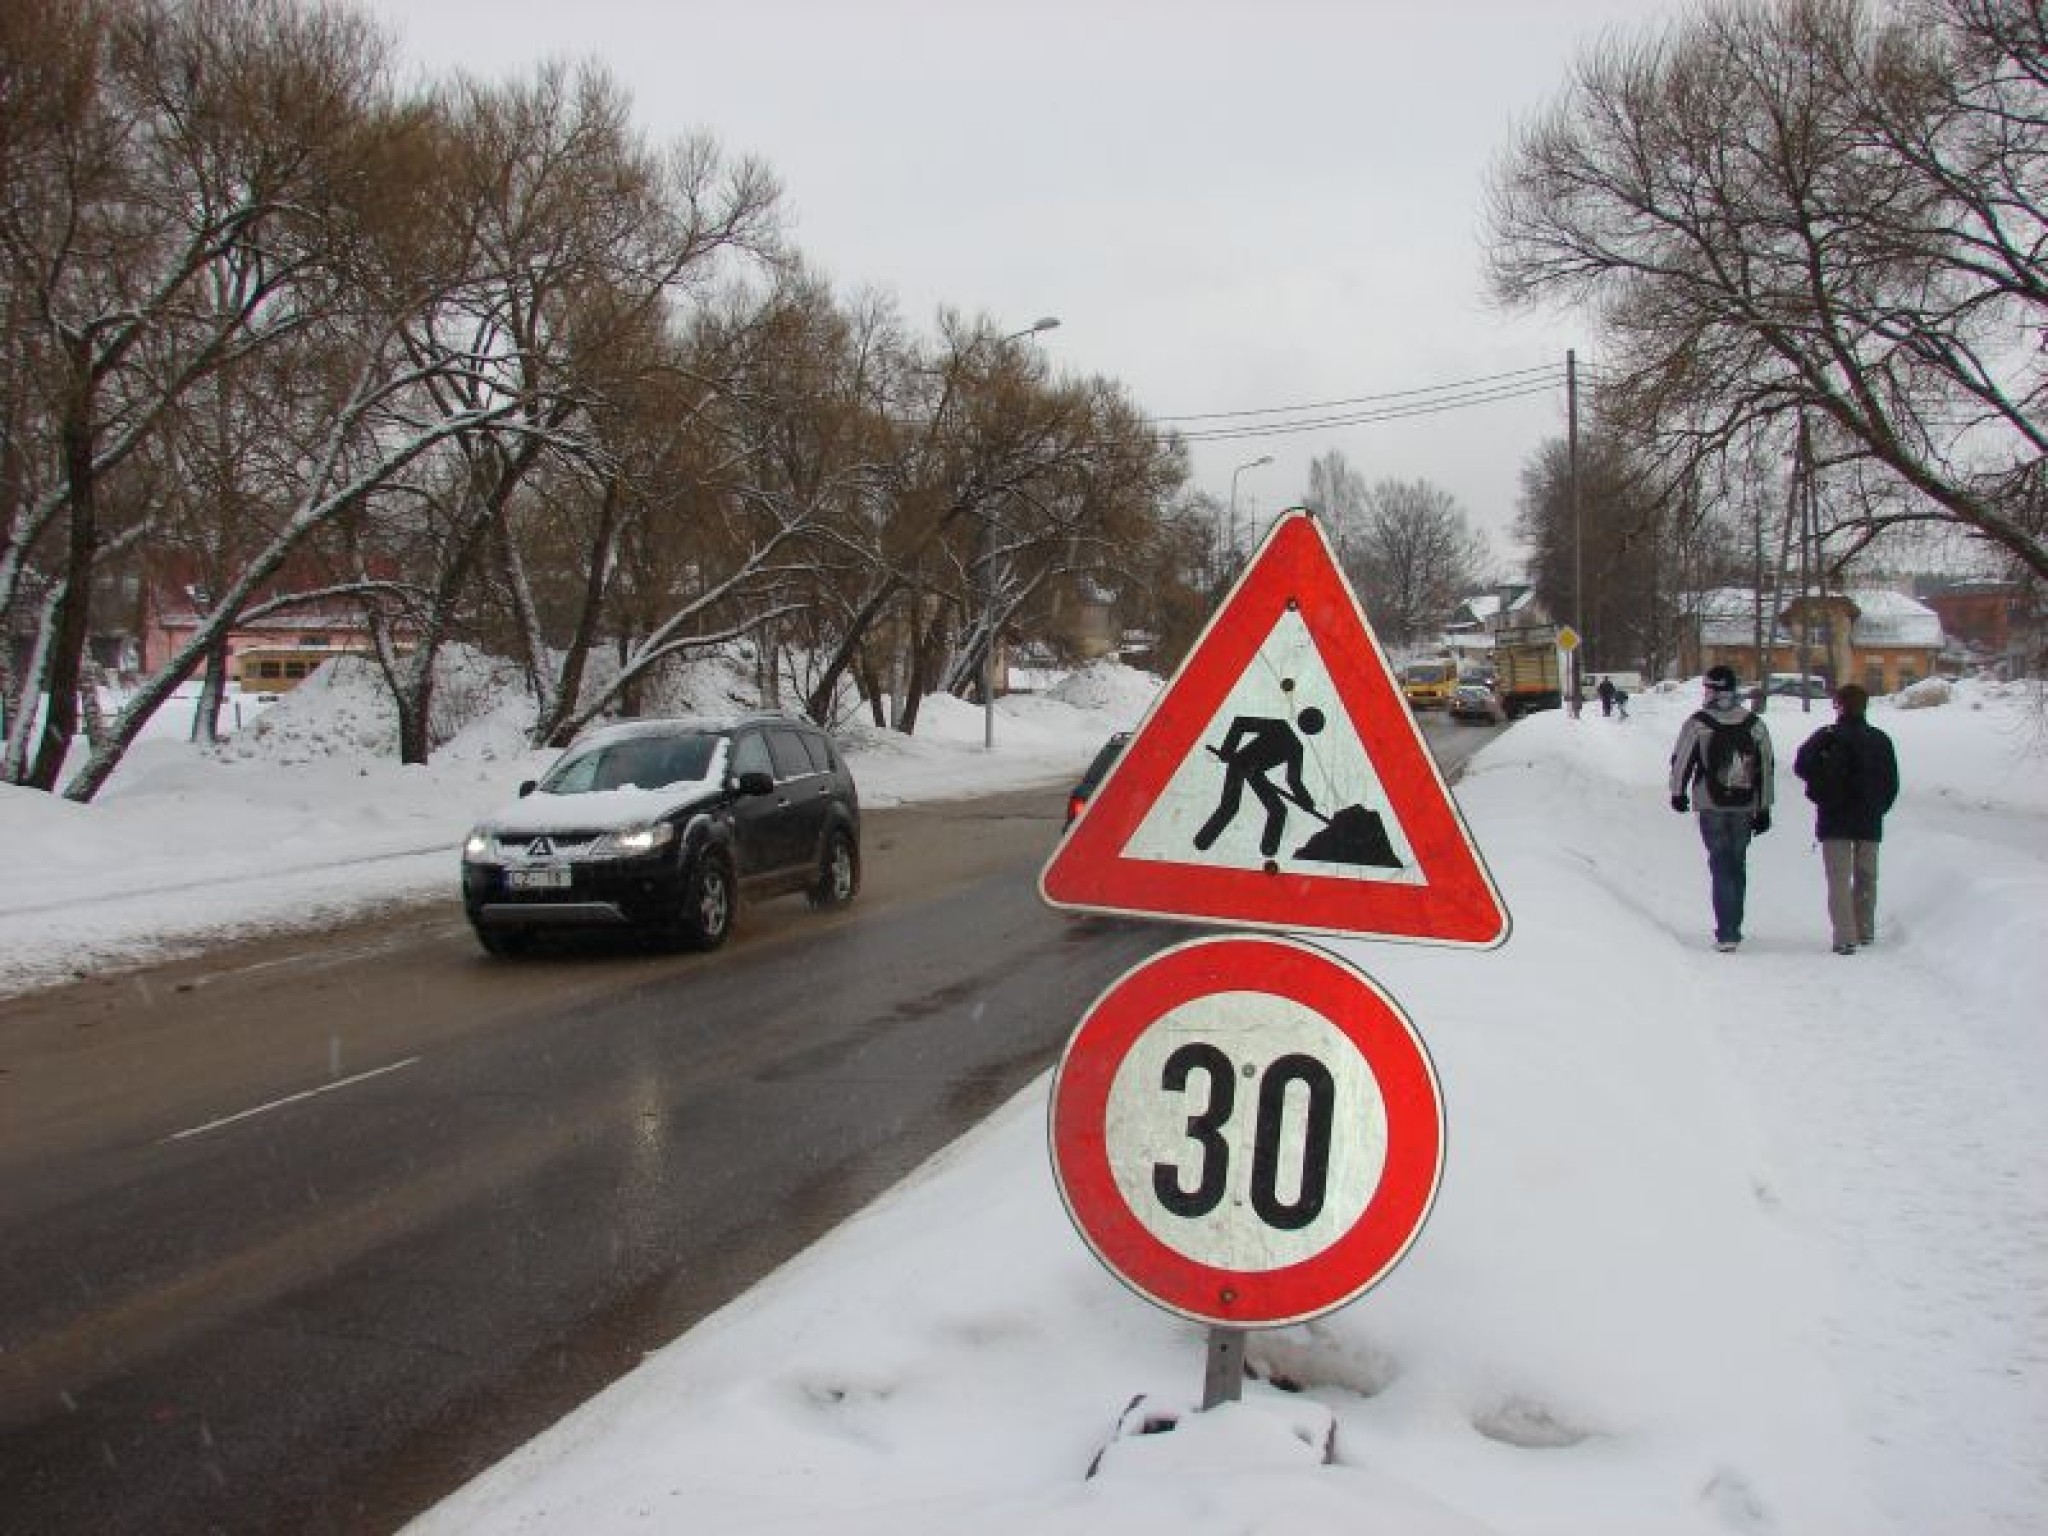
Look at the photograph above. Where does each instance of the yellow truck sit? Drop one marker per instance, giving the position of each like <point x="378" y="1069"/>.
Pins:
<point x="1526" y="674"/>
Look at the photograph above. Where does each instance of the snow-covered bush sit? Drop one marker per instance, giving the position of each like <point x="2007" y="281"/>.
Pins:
<point x="344" y="708"/>
<point x="1928" y="693"/>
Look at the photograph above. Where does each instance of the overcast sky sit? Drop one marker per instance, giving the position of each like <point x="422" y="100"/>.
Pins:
<point x="1231" y="207"/>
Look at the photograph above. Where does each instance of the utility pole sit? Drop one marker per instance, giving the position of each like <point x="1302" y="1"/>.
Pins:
<point x="1806" y="572"/>
<point x="1571" y="480"/>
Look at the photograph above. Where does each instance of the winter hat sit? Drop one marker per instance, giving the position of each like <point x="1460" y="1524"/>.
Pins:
<point x="1722" y="679"/>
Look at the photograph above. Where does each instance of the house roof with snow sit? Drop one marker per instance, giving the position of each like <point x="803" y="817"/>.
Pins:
<point x="1892" y="618"/>
<point x="1486" y="610"/>
<point x="1727" y="617"/>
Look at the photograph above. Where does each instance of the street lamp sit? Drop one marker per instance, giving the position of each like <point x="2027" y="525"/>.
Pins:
<point x="1249" y="464"/>
<point x="988" y="579"/>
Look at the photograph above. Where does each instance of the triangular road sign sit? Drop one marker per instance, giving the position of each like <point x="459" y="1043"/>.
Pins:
<point x="1281" y="781"/>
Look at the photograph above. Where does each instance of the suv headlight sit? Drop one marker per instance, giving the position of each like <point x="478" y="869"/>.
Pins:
<point x="632" y="842"/>
<point x="477" y="847"/>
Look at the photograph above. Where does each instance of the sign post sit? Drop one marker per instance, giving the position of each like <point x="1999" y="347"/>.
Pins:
<point x="1568" y="665"/>
<point x="1248" y="1131"/>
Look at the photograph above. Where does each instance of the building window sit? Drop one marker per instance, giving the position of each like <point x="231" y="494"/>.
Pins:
<point x="314" y="642"/>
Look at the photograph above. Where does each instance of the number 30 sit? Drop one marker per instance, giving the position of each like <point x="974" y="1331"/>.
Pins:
<point x="1205" y="1129"/>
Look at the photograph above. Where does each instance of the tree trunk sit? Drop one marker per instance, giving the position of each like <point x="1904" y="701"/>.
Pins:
<point x="627" y="698"/>
<point x="930" y="644"/>
<point x="872" y="687"/>
<point x="819" y="705"/>
<point x="64" y="669"/>
<point x="90" y="714"/>
<point x="414" y="745"/>
<point x="551" y="728"/>
<point x="212" y="687"/>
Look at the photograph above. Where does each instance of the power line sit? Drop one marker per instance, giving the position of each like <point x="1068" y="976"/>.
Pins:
<point x="1434" y="406"/>
<point x="1550" y="370"/>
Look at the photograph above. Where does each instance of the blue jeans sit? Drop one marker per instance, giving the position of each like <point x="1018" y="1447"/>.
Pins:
<point x="1726" y="834"/>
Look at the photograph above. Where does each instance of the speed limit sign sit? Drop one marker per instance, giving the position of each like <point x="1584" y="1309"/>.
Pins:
<point x="1247" y="1131"/>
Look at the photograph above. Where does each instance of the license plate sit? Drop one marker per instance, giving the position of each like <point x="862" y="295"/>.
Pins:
<point x="537" y="879"/>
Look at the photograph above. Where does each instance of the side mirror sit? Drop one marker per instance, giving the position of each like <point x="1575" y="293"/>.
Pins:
<point x="755" y="783"/>
<point x="526" y="787"/>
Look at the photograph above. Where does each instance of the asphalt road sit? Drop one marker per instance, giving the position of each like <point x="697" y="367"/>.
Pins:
<point x="300" y="1235"/>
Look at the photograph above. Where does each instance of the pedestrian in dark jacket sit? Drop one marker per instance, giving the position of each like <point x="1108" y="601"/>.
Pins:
<point x="1722" y="766"/>
<point x="1851" y="775"/>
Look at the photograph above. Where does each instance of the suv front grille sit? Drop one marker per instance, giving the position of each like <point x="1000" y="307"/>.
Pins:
<point x="556" y="845"/>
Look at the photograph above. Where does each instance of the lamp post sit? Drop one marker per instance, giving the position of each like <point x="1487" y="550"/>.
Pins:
<point x="988" y="578"/>
<point x="1248" y="464"/>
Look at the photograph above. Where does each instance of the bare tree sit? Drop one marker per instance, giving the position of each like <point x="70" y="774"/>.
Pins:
<point x="1337" y="493"/>
<point x="1618" y="539"/>
<point x="373" y="432"/>
<point x="578" y="245"/>
<point x="1823" y="206"/>
<point x="1129" y="535"/>
<point x="1168" y="578"/>
<point x="169" y="170"/>
<point x="1412" y="555"/>
<point x="968" y="428"/>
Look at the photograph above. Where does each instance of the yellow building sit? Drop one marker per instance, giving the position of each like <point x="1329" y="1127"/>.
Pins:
<point x="1882" y="639"/>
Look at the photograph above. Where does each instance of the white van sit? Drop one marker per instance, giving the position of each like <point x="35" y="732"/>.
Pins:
<point x="1797" y="685"/>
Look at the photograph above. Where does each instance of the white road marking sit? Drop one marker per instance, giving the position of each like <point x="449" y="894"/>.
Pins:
<point x="261" y="1109"/>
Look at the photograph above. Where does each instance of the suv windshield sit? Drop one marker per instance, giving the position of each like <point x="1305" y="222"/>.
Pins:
<point x="639" y="762"/>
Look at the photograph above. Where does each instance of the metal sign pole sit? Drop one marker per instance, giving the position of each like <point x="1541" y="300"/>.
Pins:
<point x="1223" y="1381"/>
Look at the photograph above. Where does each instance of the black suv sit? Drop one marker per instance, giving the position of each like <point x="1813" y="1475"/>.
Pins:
<point x="665" y="826"/>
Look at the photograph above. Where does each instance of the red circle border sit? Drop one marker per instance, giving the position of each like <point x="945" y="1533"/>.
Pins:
<point x="1364" y="1014"/>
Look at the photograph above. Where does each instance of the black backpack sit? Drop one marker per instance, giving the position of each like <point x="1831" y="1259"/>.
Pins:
<point x="1731" y="765"/>
<point x="1830" y="769"/>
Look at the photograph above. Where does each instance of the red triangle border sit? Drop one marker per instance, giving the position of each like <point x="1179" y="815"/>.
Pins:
<point x="1456" y="903"/>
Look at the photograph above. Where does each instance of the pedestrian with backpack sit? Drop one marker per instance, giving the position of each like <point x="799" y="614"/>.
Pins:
<point x="1722" y="768"/>
<point x="1851" y="775"/>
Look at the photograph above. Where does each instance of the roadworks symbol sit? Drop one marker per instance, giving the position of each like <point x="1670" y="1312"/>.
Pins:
<point x="1281" y="780"/>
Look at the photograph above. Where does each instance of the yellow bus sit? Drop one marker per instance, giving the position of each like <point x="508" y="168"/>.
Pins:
<point x="1429" y="684"/>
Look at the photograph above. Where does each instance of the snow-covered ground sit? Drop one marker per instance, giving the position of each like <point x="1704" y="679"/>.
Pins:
<point x="1751" y="1243"/>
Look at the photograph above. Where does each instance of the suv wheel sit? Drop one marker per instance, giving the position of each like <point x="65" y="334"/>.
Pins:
<point x="708" y="904"/>
<point x="839" y="875"/>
